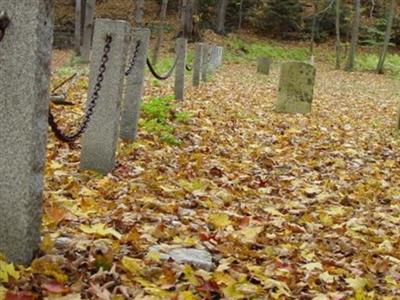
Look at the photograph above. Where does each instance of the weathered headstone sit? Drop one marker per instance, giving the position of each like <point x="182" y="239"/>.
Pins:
<point x="264" y="65"/>
<point x="88" y="29"/>
<point x="25" y="56"/>
<point x="134" y="85"/>
<point x="181" y="48"/>
<point x="198" y="60"/>
<point x="296" y="88"/>
<point x="99" y="142"/>
<point x="205" y="63"/>
<point x="216" y="57"/>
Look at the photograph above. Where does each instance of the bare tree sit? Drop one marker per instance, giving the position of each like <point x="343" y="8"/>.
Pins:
<point x="388" y="34"/>
<point x="79" y="24"/>
<point x="338" y="44"/>
<point x="163" y="16"/>
<point x="139" y="6"/>
<point x="354" y="36"/>
<point x="240" y="14"/>
<point x="221" y="16"/>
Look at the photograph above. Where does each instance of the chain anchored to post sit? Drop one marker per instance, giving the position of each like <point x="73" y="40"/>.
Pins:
<point x="4" y="22"/>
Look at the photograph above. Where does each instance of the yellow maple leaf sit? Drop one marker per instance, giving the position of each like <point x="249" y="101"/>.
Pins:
<point x="249" y="234"/>
<point x="134" y="266"/>
<point x="219" y="220"/>
<point x="187" y="295"/>
<point x="101" y="230"/>
<point x="358" y="283"/>
<point x="7" y="271"/>
<point x="190" y="275"/>
<point x="312" y="266"/>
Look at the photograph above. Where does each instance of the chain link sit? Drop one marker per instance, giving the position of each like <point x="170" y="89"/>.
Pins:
<point x="69" y="138"/>
<point x="133" y="60"/>
<point x="189" y="68"/>
<point x="4" y="23"/>
<point x="165" y="76"/>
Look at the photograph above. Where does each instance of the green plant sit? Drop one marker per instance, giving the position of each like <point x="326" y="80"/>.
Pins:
<point x="238" y="50"/>
<point x="160" y="116"/>
<point x="368" y="62"/>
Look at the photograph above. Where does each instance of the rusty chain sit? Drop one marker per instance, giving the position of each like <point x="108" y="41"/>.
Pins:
<point x="69" y="138"/>
<point x="133" y="60"/>
<point x="158" y="76"/>
<point x="4" y="23"/>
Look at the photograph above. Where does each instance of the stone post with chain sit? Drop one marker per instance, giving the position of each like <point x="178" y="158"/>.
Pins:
<point x="198" y="61"/>
<point x="25" y="57"/>
<point x="99" y="142"/>
<point x="181" y="48"/>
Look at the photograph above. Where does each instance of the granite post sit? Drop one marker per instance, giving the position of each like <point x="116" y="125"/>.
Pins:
<point x="198" y="61"/>
<point x="25" y="57"/>
<point x="134" y="85"/>
<point x="181" y="48"/>
<point x="99" y="142"/>
<point x="205" y="63"/>
<point x="296" y="88"/>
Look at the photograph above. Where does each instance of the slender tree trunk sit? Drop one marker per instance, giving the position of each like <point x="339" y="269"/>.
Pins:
<point x="90" y="9"/>
<point x="388" y="34"/>
<point x="139" y="12"/>
<point x="221" y="16"/>
<point x="79" y="24"/>
<point x="312" y="43"/>
<point x="163" y="16"/>
<point x="240" y="14"/>
<point x="354" y="36"/>
<point x="338" y="44"/>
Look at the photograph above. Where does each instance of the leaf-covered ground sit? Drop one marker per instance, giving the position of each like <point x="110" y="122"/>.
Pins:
<point x="289" y="206"/>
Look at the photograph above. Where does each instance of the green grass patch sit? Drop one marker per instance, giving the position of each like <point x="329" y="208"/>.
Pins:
<point x="238" y="50"/>
<point x="369" y="62"/>
<point x="161" y="117"/>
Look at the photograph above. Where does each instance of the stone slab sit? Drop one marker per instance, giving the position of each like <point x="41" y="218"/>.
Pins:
<point x="25" y="56"/>
<point x="264" y="65"/>
<point x="296" y="88"/>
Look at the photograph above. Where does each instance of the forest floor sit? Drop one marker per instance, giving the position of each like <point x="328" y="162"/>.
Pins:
<point x="289" y="206"/>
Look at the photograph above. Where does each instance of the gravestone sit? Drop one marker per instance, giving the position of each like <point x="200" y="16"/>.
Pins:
<point x="205" y="62"/>
<point x="99" y="142"/>
<point x="134" y="85"/>
<point x="198" y="61"/>
<point x="181" y="48"/>
<point x="296" y="88"/>
<point x="216" y="56"/>
<point x="25" y="57"/>
<point x="264" y="65"/>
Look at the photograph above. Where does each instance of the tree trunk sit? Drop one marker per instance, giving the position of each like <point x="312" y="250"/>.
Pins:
<point x="79" y="24"/>
<point x="221" y="16"/>
<point x="312" y="44"/>
<point x="88" y="29"/>
<point x="338" y="45"/>
<point x="354" y="36"/>
<point x="388" y="34"/>
<point x="240" y="14"/>
<point x="139" y="13"/>
<point x="163" y="16"/>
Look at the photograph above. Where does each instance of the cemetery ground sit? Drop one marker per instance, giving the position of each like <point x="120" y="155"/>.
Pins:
<point x="288" y="206"/>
